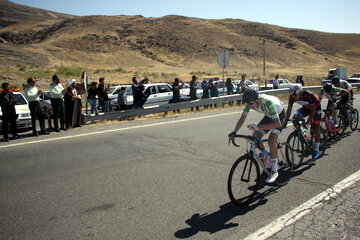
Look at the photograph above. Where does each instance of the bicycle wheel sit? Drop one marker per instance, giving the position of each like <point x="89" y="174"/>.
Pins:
<point x="285" y="168"/>
<point x="354" y="119"/>
<point x="294" y="149"/>
<point x="244" y="180"/>
<point x="342" y="127"/>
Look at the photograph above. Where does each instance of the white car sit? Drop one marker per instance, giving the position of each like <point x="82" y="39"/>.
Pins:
<point x="248" y="82"/>
<point x="114" y="91"/>
<point x="355" y="78"/>
<point x="159" y="93"/>
<point x="185" y="92"/>
<point x="283" y="83"/>
<point x="23" y="120"/>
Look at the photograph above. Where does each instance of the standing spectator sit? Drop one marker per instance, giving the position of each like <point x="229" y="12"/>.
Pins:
<point x="103" y="95"/>
<point x="91" y="98"/>
<point x="73" y="105"/>
<point x="243" y="84"/>
<point x="301" y="81"/>
<point x="205" y="88"/>
<point x="214" y="88"/>
<point x="56" y="93"/>
<point x="134" y="88"/>
<point x="145" y="81"/>
<point x="176" y="90"/>
<point x="7" y="103"/>
<point x="297" y="79"/>
<point x="122" y="100"/>
<point x="142" y="95"/>
<point x="229" y="86"/>
<point x="276" y="82"/>
<point x="32" y="94"/>
<point x="193" y="85"/>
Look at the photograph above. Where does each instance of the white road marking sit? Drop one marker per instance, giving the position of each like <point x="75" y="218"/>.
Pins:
<point x="116" y="130"/>
<point x="303" y="209"/>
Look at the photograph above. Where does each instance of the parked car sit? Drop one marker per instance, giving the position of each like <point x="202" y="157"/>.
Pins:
<point x="159" y="93"/>
<point x="283" y="83"/>
<point x="114" y="91"/>
<point x="248" y="82"/>
<point x="23" y="120"/>
<point x="355" y="78"/>
<point x="185" y="92"/>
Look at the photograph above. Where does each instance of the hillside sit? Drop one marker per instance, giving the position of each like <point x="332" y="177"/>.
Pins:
<point x="170" y="44"/>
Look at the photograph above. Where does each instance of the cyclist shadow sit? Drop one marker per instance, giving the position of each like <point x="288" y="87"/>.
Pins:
<point x="217" y="221"/>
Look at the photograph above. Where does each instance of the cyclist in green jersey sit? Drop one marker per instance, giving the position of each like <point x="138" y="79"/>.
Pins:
<point x="274" y="112"/>
<point x="333" y="94"/>
<point x="345" y="85"/>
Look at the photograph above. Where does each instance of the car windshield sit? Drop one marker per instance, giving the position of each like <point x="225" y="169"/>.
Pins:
<point x="129" y="91"/>
<point x="20" y="99"/>
<point x="112" y="89"/>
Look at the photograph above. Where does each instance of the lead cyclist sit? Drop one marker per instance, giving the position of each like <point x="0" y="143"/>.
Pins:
<point x="274" y="112"/>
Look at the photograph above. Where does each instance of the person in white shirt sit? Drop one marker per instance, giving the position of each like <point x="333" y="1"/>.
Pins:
<point x="57" y="93"/>
<point x="276" y="82"/>
<point x="32" y="94"/>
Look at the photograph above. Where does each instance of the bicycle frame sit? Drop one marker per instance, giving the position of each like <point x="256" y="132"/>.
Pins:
<point x="298" y="130"/>
<point x="330" y="127"/>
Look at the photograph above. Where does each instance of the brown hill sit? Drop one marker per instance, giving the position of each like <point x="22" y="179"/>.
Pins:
<point x="171" y="44"/>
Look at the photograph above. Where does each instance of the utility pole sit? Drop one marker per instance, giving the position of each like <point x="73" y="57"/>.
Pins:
<point x="61" y="59"/>
<point x="264" y="61"/>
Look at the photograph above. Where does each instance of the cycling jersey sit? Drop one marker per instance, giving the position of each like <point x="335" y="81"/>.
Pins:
<point x="333" y="96"/>
<point x="307" y="99"/>
<point x="271" y="106"/>
<point x="344" y="84"/>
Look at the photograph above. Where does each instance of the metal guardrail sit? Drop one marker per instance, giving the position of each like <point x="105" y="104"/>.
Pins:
<point x="87" y="119"/>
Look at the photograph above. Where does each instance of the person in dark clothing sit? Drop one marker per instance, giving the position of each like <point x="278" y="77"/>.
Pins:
<point x="176" y="90"/>
<point x="92" y="97"/>
<point x="301" y="80"/>
<point x="193" y="85"/>
<point x="135" y="87"/>
<point x="103" y="95"/>
<point x="142" y="95"/>
<point x="56" y="93"/>
<point x="229" y="86"/>
<point x="7" y="103"/>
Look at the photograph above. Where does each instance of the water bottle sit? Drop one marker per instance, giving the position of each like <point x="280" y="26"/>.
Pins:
<point x="264" y="158"/>
<point x="332" y="121"/>
<point x="304" y="131"/>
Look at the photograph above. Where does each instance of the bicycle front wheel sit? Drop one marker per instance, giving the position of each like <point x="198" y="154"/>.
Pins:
<point x="244" y="180"/>
<point x="354" y="119"/>
<point x="295" y="149"/>
<point x="285" y="166"/>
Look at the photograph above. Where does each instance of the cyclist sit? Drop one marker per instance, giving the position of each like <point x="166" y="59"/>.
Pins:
<point x="345" y="85"/>
<point x="274" y="112"/>
<point x="311" y="106"/>
<point x="333" y="94"/>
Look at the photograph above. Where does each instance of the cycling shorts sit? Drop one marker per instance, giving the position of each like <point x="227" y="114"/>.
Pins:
<point x="267" y="120"/>
<point x="304" y="112"/>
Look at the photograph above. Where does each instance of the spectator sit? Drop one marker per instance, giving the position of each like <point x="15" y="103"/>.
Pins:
<point x="142" y="95"/>
<point x="103" y="95"/>
<point x="122" y="100"/>
<point x="56" y="93"/>
<point x="276" y="82"/>
<point x="134" y="88"/>
<point x="193" y="85"/>
<point x="205" y="88"/>
<point x="73" y="105"/>
<point x="229" y="86"/>
<point x="301" y="81"/>
<point x="214" y="88"/>
<point x="297" y="79"/>
<point x="176" y="90"/>
<point x="243" y="84"/>
<point x="7" y="103"/>
<point x="32" y="94"/>
<point x="91" y="98"/>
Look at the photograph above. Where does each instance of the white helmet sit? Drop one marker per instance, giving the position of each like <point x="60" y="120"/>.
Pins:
<point x="295" y="89"/>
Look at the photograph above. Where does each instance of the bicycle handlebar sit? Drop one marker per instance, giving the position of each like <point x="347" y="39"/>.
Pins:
<point x="247" y="137"/>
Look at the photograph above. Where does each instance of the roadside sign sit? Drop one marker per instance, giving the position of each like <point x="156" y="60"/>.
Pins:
<point x="223" y="58"/>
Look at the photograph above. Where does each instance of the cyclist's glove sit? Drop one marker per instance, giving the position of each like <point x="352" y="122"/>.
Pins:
<point x="232" y="134"/>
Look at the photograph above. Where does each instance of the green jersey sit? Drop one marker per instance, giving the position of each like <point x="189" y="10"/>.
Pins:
<point x="333" y="96"/>
<point x="271" y="106"/>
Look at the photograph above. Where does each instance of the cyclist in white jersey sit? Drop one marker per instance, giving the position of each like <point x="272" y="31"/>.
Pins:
<point x="274" y="112"/>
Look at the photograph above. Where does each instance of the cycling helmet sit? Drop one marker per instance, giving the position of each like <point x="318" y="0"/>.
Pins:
<point x="327" y="87"/>
<point x="295" y="89"/>
<point x="250" y="95"/>
<point x="335" y="80"/>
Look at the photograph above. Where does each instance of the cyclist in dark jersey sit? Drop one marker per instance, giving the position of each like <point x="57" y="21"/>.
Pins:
<point x="311" y="106"/>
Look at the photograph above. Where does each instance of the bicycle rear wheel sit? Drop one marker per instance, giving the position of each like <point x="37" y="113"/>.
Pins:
<point x="244" y="180"/>
<point x="295" y="149"/>
<point x="285" y="168"/>
<point x="354" y="119"/>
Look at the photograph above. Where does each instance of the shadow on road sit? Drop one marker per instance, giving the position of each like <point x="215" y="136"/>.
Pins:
<point x="218" y="220"/>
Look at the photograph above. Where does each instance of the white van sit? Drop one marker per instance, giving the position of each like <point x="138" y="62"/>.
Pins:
<point x="22" y="109"/>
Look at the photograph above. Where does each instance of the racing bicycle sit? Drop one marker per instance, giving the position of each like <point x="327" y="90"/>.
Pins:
<point x="351" y="118"/>
<point x="245" y="178"/>
<point x="301" y="142"/>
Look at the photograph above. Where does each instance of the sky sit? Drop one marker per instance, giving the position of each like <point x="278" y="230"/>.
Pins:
<point x="321" y="15"/>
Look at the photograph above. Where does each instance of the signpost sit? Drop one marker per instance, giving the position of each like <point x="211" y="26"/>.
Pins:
<point x="223" y="61"/>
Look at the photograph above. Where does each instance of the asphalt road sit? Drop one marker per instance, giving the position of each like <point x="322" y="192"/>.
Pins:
<point x="160" y="178"/>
